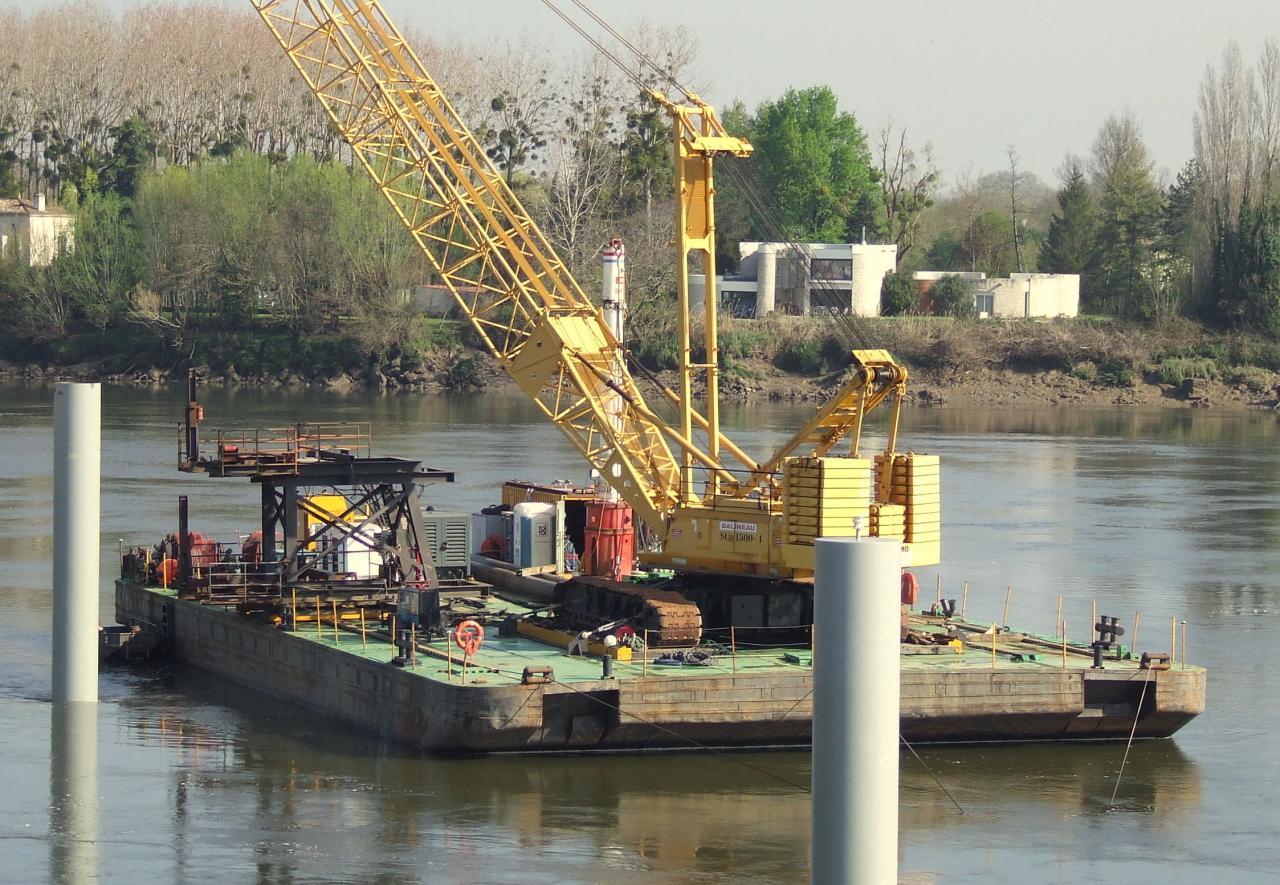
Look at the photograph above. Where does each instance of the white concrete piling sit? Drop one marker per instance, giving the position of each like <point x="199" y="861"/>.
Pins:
<point x="77" y="450"/>
<point x="857" y="618"/>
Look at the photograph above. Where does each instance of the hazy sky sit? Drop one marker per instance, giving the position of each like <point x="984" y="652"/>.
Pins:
<point x="970" y="77"/>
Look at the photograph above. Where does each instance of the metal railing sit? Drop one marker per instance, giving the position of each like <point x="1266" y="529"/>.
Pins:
<point x="230" y="583"/>
<point x="277" y="449"/>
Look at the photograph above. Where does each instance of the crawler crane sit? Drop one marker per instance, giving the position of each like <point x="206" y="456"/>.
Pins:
<point x="728" y="523"/>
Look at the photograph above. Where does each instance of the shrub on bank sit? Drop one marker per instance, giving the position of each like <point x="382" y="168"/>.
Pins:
<point x="1252" y="378"/>
<point x="1177" y="369"/>
<point x="802" y="356"/>
<point x="1085" y="371"/>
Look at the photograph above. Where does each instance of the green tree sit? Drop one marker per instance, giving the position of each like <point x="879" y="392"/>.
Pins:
<point x="1246" y="269"/>
<point x="1129" y="209"/>
<point x="946" y="252"/>
<point x="646" y="154"/>
<point x="131" y="156"/>
<point x="1072" y="238"/>
<point x="1171" y="275"/>
<point x="988" y="244"/>
<point x="814" y="162"/>
<point x="953" y="297"/>
<point x="898" y="295"/>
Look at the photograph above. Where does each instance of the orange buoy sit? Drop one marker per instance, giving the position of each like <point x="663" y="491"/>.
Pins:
<point x="469" y="635"/>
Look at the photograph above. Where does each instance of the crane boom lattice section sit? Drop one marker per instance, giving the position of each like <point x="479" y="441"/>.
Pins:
<point x="481" y="242"/>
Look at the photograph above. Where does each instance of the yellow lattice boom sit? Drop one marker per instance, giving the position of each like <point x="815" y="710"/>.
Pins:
<point x="481" y="242"/>
<point x="532" y="315"/>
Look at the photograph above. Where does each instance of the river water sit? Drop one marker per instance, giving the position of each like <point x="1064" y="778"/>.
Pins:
<point x="1170" y="513"/>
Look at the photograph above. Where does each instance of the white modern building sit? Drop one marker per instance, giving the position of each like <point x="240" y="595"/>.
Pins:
<point x="802" y="279"/>
<point x="31" y="232"/>
<point x="1023" y="295"/>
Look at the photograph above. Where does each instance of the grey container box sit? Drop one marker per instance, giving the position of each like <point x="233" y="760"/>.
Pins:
<point x="448" y="540"/>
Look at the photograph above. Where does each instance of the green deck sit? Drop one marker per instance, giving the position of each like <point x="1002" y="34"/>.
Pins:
<point x="501" y="660"/>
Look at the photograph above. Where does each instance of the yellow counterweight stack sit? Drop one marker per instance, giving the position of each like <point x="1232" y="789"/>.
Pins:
<point x="888" y="520"/>
<point x="824" y="496"/>
<point x="914" y="484"/>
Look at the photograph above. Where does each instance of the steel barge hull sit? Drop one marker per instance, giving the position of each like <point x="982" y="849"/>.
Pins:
<point x="764" y="700"/>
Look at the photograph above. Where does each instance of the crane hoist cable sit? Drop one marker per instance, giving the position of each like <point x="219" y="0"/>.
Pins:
<point x="600" y="47"/>
<point x="851" y="330"/>
<point x="839" y="319"/>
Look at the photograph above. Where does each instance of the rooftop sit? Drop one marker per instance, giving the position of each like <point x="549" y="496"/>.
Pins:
<point x="19" y="206"/>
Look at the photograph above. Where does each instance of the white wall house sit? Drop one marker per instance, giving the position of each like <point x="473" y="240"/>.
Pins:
<point x="31" y="232"/>
<point x="844" y="277"/>
<point x="1024" y="295"/>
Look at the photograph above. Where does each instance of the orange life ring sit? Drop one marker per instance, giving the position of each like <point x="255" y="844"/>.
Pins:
<point x="468" y="635"/>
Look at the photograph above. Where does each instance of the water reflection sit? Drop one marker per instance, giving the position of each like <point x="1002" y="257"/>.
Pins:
<point x="1172" y="513"/>
<point x="73" y="793"/>
<point x="309" y="781"/>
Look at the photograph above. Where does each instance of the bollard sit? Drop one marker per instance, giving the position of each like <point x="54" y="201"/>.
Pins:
<point x="606" y="666"/>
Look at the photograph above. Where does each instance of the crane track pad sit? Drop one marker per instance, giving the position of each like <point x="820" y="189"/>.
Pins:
<point x="667" y="617"/>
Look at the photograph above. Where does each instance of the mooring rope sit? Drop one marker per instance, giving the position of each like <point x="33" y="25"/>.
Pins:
<point x="1133" y="731"/>
<point x="929" y="771"/>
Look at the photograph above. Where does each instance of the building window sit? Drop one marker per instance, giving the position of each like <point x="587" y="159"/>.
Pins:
<point x="824" y="302"/>
<point x="985" y="302"/>
<point x="738" y="303"/>
<point x="832" y="269"/>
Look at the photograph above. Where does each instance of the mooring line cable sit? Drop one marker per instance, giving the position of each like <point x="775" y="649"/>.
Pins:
<point x="1133" y="731"/>
<point x="929" y="771"/>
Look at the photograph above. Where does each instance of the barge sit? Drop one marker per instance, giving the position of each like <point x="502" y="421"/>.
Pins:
<point x="519" y="694"/>
<point x="355" y="601"/>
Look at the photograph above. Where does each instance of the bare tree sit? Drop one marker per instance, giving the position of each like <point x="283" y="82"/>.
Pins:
<point x="585" y="161"/>
<point x="908" y="184"/>
<point x="1015" y="205"/>
<point x="1222" y="134"/>
<point x="522" y="104"/>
